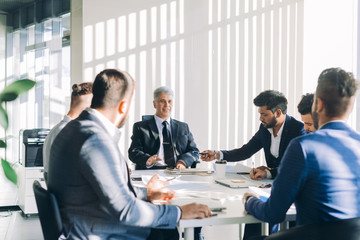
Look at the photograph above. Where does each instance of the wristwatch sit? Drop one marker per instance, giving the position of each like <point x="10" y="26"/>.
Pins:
<point x="247" y="198"/>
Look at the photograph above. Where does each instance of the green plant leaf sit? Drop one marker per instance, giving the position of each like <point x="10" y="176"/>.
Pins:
<point x="12" y="91"/>
<point x="3" y="118"/>
<point x="9" y="171"/>
<point x="2" y="144"/>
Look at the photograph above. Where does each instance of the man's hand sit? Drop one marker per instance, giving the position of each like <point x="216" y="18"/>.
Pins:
<point x="156" y="183"/>
<point x="246" y="195"/>
<point x="180" y="165"/>
<point x="195" y="210"/>
<point x="258" y="173"/>
<point x="153" y="159"/>
<point x="210" y="155"/>
<point x="160" y="194"/>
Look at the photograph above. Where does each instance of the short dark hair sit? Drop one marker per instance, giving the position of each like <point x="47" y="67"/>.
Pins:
<point x="109" y="88"/>
<point x="81" y="89"/>
<point x="335" y="88"/>
<point x="272" y="99"/>
<point x="304" y="106"/>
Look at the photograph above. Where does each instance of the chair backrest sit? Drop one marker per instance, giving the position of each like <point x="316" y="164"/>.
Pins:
<point x="49" y="213"/>
<point x="146" y="117"/>
<point x="348" y="229"/>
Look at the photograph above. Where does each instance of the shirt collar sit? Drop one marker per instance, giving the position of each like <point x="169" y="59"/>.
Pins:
<point x="109" y="126"/>
<point x="280" y="130"/>
<point x="331" y="122"/>
<point x="67" y="118"/>
<point x="159" y="120"/>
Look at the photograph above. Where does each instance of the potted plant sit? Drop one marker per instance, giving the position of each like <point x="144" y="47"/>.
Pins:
<point x="10" y="93"/>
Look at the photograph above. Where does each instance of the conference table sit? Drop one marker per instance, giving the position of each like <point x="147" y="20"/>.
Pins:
<point x="201" y="188"/>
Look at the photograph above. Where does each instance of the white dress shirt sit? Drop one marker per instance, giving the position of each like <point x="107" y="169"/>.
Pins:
<point x="275" y="141"/>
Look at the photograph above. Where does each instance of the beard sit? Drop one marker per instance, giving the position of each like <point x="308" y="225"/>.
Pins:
<point x="272" y="123"/>
<point x="315" y="116"/>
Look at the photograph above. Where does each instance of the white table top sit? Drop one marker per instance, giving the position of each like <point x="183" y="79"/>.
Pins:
<point x="203" y="189"/>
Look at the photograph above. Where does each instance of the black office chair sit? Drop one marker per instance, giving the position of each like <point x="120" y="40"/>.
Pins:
<point x="49" y="213"/>
<point x="348" y="229"/>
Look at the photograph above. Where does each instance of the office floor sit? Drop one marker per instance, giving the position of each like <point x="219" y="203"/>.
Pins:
<point x="15" y="226"/>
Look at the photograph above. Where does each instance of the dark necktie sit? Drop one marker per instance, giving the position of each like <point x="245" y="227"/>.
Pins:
<point x="168" y="148"/>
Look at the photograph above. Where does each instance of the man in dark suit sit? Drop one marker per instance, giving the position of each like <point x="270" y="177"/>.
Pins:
<point x="320" y="172"/>
<point x="90" y="177"/>
<point x="149" y="147"/>
<point x="276" y="130"/>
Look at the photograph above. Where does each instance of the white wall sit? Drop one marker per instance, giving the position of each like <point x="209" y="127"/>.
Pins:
<point x="218" y="55"/>
<point x="330" y="40"/>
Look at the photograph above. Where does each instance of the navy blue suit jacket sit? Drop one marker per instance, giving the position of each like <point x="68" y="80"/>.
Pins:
<point x="262" y="139"/>
<point x="146" y="142"/>
<point x="320" y="172"/>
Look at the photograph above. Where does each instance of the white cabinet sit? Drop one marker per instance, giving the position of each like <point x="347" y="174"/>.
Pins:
<point x="26" y="178"/>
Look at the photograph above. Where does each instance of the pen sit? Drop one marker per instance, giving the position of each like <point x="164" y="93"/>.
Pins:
<point x="199" y="153"/>
<point x="253" y="165"/>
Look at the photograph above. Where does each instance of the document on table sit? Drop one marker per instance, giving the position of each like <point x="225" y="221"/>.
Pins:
<point x="189" y="171"/>
<point x="240" y="168"/>
<point x="264" y="194"/>
<point x="235" y="183"/>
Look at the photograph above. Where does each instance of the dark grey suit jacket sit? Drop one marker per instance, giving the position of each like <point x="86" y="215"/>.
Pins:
<point x="90" y="179"/>
<point x="146" y="142"/>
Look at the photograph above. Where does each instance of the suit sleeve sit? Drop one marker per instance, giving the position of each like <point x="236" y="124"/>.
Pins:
<point x="136" y="150"/>
<point x="104" y="168"/>
<point x="188" y="156"/>
<point x="246" y="151"/>
<point x="288" y="183"/>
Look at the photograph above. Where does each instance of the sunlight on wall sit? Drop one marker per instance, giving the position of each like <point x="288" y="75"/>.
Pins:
<point x="217" y="56"/>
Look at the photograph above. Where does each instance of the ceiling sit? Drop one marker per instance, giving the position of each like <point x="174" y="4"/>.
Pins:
<point x="7" y="6"/>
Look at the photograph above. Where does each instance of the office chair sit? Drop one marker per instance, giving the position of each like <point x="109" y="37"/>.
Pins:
<point x="348" y="229"/>
<point x="146" y="117"/>
<point x="49" y="213"/>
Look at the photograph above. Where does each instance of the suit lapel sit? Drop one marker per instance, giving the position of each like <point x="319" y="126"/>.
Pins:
<point x="284" y="135"/>
<point x="174" y="129"/>
<point x="153" y="129"/>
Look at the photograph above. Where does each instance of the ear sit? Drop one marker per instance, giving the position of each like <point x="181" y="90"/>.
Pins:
<point x="277" y="113"/>
<point x="154" y="103"/>
<point x="320" y="105"/>
<point x="122" y="107"/>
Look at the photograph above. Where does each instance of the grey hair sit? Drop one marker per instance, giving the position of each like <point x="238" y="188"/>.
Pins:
<point x="162" y="89"/>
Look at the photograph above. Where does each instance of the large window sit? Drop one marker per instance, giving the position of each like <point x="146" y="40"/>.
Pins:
<point x="39" y="52"/>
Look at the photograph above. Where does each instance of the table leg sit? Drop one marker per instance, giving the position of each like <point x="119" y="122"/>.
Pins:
<point x="189" y="233"/>
<point x="284" y="225"/>
<point x="240" y="232"/>
<point x="264" y="228"/>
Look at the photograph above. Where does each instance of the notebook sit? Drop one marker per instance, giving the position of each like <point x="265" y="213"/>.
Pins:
<point x="235" y="183"/>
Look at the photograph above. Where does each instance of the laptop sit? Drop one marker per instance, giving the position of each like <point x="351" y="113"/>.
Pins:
<point x="235" y="183"/>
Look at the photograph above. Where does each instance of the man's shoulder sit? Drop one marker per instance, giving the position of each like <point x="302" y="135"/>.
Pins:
<point x="85" y="124"/>
<point x="294" y="124"/>
<point x="179" y="122"/>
